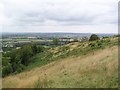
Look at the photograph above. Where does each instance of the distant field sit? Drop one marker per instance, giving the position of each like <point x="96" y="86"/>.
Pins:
<point x="24" y="39"/>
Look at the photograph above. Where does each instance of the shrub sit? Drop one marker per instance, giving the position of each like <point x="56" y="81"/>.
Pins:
<point x="7" y="70"/>
<point x="16" y="60"/>
<point x="56" y="41"/>
<point x="84" y="39"/>
<point x="94" y="37"/>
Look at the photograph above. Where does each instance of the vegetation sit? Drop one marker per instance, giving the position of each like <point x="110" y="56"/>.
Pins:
<point x="93" y="37"/>
<point x="68" y="73"/>
<point x="41" y="82"/>
<point x="65" y="51"/>
<point x="84" y="39"/>
<point x="30" y="56"/>
<point x="55" y="41"/>
<point x="16" y="60"/>
<point x="94" y="70"/>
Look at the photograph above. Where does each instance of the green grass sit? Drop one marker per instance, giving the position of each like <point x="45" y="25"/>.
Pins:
<point x="40" y="60"/>
<point x="41" y="83"/>
<point x="98" y="77"/>
<point x="74" y="68"/>
<point x="64" y="51"/>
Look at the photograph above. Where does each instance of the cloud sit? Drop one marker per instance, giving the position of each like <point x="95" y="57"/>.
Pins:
<point x="33" y="13"/>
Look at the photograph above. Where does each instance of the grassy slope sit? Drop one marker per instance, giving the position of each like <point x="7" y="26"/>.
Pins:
<point x="95" y="69"/>
<point x="72" y="49"/>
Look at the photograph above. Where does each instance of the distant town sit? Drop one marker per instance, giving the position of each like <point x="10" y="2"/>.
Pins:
<point x="12" y="40"/>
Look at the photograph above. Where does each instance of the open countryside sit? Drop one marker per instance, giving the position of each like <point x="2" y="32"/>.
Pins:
<point x="66" y="62"/>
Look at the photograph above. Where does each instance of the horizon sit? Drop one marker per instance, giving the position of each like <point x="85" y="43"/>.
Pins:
<point x="52" y="33"/>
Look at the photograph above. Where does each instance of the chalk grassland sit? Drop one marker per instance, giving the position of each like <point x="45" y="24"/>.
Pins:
<point x="96" y="69"/>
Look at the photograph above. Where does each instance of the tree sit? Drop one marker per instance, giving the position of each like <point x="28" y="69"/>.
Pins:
<point x="94" y="37"/>
<point x="7" y="70"/>
<point x="37" y="49"/>
<point x="34" y="49"/>
<point x="40" y="49"/>
<point x="6" y="66"/>
<point x="26" y="54"/>
<point x="17" y="59"/>
<point x="55" y="41"/>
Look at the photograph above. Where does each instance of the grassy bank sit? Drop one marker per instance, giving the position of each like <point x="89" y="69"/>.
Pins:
<point x="76" y="65"/>
<point x="92" y="70"/>
<point x="74" y="49"/>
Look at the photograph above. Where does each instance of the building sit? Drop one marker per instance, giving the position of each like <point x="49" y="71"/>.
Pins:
<point x="66" y="39"/>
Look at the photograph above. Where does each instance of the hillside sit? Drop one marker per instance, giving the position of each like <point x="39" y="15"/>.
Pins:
<point x="89" y="64"/>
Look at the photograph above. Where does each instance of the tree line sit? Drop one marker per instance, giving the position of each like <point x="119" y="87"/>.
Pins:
<point x="17" y="59"/>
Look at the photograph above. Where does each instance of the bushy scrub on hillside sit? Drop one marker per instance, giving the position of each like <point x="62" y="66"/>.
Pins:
<point x="66" y="51"/>
<point x="56" y="41"/>
<point x="94" y="37"/>
<point x="95" y="45"/>
<point x="16" y="60"/>
<point x="34" y="56"/>
<point x="7" y="66"/>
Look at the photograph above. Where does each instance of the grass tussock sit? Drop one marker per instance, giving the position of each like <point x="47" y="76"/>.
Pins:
<point x="41" y="82"/>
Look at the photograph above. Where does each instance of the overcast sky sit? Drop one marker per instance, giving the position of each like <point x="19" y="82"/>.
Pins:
<point x="83" y="16"/>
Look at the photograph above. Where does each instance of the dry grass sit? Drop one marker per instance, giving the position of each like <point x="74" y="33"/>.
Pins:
<point x="94" y="70"/>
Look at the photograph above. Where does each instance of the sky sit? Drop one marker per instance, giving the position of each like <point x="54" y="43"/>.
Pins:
<point x="76" y="16"/>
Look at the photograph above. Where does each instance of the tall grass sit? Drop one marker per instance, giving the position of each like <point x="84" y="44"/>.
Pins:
<point x="92" y="71"/>
<point x="42" y="82"/>
<point x="64" y="52"/>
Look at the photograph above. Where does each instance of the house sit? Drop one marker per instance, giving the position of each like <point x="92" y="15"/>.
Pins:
<point x="66" y="39"/>
<point x="31" y="37"/>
